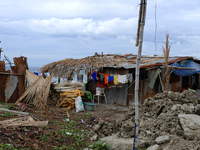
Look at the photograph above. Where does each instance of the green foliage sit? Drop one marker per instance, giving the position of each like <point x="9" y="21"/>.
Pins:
<point x="9" y="147"/>
<point x="63" y="148"/>
<point x="43" y="138"/>
<point x="7" y="114"/>
<point x="46" y="127"/>
<point x="54" y="122"/>
<point x="87" y="115"/>
<point x="6" y="106"/>
<point x="100" y="145"/>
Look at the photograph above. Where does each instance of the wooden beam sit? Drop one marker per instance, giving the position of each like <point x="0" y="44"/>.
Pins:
<point x="181" y="68"/>
<point x="15" y="112"/>
<point x="11" y="74"/>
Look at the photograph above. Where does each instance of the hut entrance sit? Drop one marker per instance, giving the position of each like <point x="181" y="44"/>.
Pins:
<point x="195" y="81"/>
<point x="185" y="82"/>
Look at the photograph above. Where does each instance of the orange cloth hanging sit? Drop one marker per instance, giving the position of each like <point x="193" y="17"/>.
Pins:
<point x="106" y="79"/>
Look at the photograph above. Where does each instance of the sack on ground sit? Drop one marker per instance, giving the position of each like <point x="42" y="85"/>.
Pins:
<point x="79" y="104"/>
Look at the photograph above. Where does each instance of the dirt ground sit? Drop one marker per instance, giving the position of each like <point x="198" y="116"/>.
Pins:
<point x="60" y="133"/>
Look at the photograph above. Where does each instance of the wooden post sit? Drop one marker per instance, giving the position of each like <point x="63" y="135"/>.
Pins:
<point x="142" y="15"/>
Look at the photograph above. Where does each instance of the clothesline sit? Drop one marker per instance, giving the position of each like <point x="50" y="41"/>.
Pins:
<point x="106" y="80"/>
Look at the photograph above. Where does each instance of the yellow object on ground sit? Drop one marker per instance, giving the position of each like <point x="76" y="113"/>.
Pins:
<point x="67" y="98"/>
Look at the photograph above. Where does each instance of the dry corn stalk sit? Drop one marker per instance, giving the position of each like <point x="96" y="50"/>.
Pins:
<point x="166" y="51"/>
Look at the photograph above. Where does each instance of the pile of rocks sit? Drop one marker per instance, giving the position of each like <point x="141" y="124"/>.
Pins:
<point x="161" y="117"/>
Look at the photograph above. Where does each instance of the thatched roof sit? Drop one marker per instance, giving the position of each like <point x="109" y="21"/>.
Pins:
<point x="68" y="67"/>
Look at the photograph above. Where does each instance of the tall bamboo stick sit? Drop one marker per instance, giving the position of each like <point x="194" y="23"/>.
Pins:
<point x="142" y="16"/>
<point x="166" y="51"/>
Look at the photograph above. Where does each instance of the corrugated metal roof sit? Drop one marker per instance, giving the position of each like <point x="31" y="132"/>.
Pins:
<point x="149" y="61"/>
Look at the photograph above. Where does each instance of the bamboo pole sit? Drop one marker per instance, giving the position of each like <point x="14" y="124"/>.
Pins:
<point x="138" y="30"/>
<point x="142" y="15"/>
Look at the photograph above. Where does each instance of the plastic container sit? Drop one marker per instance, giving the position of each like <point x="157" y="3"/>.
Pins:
<point x="80" y="78"/>
<point x="98" y="91"/>
<point x="89" y="106"/>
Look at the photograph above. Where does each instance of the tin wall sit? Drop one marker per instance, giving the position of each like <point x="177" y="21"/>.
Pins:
<point x="12" y="81"/>
<point x="119" y="96"/>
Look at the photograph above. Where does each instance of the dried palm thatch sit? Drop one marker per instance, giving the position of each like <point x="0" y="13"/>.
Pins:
<point x="166" y="51"/>
<point x="30" y="78"/>
<point x="68" y="67"/>
<point x="37" y="93"/>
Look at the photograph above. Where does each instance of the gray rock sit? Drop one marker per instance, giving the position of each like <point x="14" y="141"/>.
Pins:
<point x="94" y="138"/>
<point x="96" y="127"/>
<point x="154" y="147"/>
<point x="190" y="124"/>
<point x="162" y="139"/>
<point x="120" y="143"/>
<point x="143" y="143"/>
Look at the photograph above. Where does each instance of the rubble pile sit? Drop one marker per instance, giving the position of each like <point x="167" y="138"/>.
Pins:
<point x="160" y="117"/>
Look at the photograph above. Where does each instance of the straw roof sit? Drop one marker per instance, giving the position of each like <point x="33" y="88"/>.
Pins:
<point x="68" y="67"/>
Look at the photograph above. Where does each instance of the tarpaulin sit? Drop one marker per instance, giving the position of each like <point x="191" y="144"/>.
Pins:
<point x="153" y="80"/>
<point x="188" y="64"/>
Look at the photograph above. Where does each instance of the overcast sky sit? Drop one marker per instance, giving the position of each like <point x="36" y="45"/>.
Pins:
<point x="45" y="31"/>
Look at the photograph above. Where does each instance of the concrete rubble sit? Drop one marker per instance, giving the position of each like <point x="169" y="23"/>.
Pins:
<point x="167" y="119"/>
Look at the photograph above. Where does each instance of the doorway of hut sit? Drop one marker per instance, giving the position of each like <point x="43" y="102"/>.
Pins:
<point x="195" y="81"/>
<point x="185" y="82"/>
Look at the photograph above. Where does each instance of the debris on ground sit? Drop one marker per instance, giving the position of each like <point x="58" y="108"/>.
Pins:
<point x="166" y="119"/>
<point x="69" y="86"/>
<point x="22" y="121"/>
<point x="67" y="98"/>
<point x="15" y="112"/>
<point x="37" y="92"/>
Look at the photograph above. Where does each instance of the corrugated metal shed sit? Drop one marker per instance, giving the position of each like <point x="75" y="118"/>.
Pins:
<point x="148" y="61"/>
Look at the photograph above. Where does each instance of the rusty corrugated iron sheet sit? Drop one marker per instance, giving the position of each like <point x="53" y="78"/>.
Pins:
<point x="163" y="63"/>
<point x="12" y="81"/>
<point x="2" y="81"/>
<point x="147" y="61"/>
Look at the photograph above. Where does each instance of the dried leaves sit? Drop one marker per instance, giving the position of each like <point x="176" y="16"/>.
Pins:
<point x="68" y="67"/>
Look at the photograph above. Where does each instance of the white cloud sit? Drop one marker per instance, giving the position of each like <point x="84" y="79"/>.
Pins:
<point x="71" y="27"/>
<point x="50" y="30"/>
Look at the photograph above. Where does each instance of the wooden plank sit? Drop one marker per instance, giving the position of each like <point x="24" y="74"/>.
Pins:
<point x="24" y="121"/>
<point x="11" y="74"/>
<point x="15" y="112"/>
<point x="181" y="68"/>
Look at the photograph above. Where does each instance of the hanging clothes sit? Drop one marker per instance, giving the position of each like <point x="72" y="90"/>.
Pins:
<point x="102" y="85"/>
<point x="106" y="79"/>
<point x="122" y="79"/>
<point x="98" y="76"/>
<point x="94" y="76"/>
<point x="116" y="80"/>
<point x="102" y="77"/>
<point x="129" y="77"/>
<point x="90" y="76"/>
<point x="111" y="79"/>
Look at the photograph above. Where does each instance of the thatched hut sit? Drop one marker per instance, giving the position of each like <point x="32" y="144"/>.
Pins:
<point x="152" y="67"/>
<point x="68" y="67"/>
